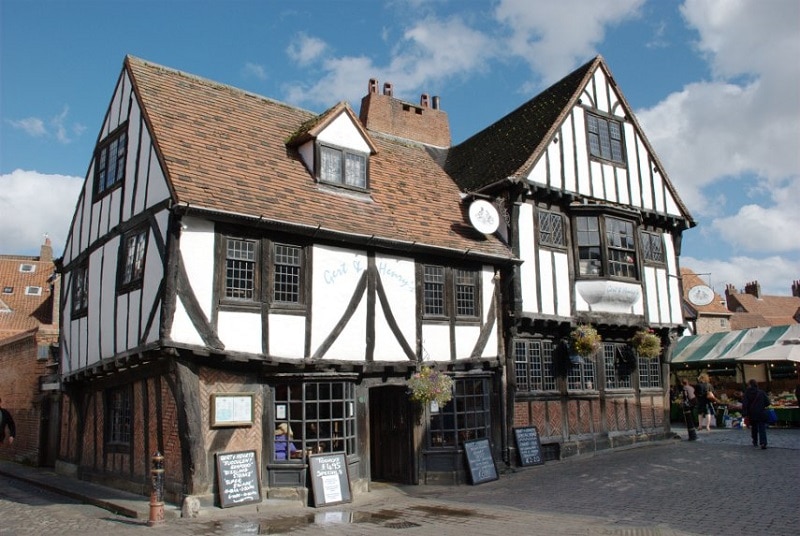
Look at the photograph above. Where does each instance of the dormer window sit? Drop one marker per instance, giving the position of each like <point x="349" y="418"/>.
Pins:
<point x="342" y="167"/>
<point x="27" y="268"/>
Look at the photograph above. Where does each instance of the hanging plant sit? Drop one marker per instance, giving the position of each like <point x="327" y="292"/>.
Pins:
<point x="429" y="385"/>
<point x="646" y="343"/>
<point x="585" y="340"/>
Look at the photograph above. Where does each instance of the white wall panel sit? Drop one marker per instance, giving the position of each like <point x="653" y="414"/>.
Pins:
<point x="435" y="342"/>
<point x="240" y="331"/>
<point x="183" y="329"/>
<point x="352" y="341"/>
<point x="554" y="157"/>
<point x="134" y="311"/>
<point x="197" y="249"/>
<point x="597" y="180"/>
<point x="465" y="338"/>
<point x="398" y="278"/>
<point x="651" y="286"/>
<point x="562" y="284"/>
<point x="664" y="314"/>
<point x="343" y="133"/>
<point x="527" y="252"/>
<point x="610" y="183"/>
<point x="133" y="184"/>
<point x="566" y="141"/>
<point x="287" y="335"/>
<point x="157" y="187"/>
<point x="645" y="172"/>
<point x="547" y="281"/>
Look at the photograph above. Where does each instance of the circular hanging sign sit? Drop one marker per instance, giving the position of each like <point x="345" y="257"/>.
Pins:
<point x="700" y="295"/>
<point x="484" y="217"/>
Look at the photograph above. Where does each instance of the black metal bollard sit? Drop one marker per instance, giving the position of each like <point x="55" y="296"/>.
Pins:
<point x="157" y="490"/>
<point x="688" y="416"/>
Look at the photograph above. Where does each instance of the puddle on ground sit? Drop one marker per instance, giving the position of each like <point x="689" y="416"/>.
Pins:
<point x="387" y="518"/>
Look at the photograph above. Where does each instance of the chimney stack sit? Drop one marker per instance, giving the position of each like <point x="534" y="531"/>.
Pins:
<point x="424" y="100"/>
<point x="387" y="89"/>
<point x="796" y="289"/>
<point x="753" y="288"/>
<point x="46" y="251"/>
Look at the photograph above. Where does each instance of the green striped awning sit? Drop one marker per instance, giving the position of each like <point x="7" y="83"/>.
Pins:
<point x="729" y="345"/>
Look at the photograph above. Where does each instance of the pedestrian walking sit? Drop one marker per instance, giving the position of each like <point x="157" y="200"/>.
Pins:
<point x="6" y="422"/>
<point x="705" y="401"/>
<point x="687" y="405"/>
<point x="754" y="407"/>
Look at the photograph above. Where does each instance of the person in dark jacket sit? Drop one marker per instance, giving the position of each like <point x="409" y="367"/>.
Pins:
<point x="6" y="421"/>
<point x="754" y="407"/>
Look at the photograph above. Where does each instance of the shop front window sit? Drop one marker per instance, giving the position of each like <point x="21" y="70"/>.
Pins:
<point x="314" y="417"/>
<point x="465" y="417"/>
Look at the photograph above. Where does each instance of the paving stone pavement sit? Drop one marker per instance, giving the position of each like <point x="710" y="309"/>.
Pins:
<point x="718" y="485"/>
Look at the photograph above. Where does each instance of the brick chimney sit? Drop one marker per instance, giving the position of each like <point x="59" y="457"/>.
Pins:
<point x="753" y="288"/>
<point x="46" y="252"/>
<point x="423" y="123"/>
<point x="796" y="289"/>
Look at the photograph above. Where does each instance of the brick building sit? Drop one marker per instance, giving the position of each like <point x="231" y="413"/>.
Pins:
<point x="28" y="339"/>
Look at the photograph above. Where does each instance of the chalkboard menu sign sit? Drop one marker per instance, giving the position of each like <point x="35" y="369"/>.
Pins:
<point x="529" y="446"/>
<point x="480" y="461"/>
<point x="237" y="475"/>
<point x="330" y="480"/>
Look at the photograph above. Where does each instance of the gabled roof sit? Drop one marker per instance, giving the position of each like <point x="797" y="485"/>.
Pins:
<point x="312" y="128"/>
<point x="775" y="310"/>
<point x="226" y="150"/>
<point x="508" y="149"/>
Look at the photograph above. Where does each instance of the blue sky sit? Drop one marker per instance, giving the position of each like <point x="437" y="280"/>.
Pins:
<point x="714" y="83"/>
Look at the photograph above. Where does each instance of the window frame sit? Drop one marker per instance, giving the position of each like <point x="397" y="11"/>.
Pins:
<point x="611" y="366"/>
<point x="80" y="290"/>
<point x="534" y="366"/>
<point x="649" y="373"/>
<point x="606" y="245"/>
<point x="341" y="181"/>
<point x="650" y="254"/>
<point x="266" y="288"/>
<point x="582" y="376"/>
<point x="602" y="143"/>
<point x="133" y="279"/>
<point x="118" y="419"/>
<point x="103" y="157"/>
<point x="465" y="417"/>
<point x="546" y="236"/>
<point x="448" y="292"/>
<point x="302" y="404"/>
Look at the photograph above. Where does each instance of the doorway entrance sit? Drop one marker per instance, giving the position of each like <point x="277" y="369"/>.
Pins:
<point x="392" y="455"/>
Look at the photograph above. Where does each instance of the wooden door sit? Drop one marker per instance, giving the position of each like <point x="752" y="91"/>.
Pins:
<point x="392" y="457"/>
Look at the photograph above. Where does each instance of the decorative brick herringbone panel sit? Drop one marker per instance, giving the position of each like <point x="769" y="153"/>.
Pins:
<point x="168" y="421"/>
<point x="69" y="430"/>
<point x="213" y="381"/>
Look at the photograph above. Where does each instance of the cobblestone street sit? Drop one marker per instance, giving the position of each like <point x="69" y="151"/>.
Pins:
<point x="647" y="490"/>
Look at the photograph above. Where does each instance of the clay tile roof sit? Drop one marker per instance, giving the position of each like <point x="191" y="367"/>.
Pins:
<point x="716" y="307"/>
<point x="226" y="150"/>
<point x="20" y="311"/>
<point x="777" y="310"/>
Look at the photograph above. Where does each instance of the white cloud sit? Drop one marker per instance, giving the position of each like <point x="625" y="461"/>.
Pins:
<point x="33" y="204"/>
<point x="553" y="36"/>
<point x="33" y="126"/>
<point x="254" y="70"/>
<point x="305" y="49"/>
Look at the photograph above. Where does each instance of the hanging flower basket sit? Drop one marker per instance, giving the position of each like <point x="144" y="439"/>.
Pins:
<point x="585" y="340"/>
<point x="646" y="343"/>
<point x="429" y="385"/>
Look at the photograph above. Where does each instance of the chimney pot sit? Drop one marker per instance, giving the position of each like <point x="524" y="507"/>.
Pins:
<point x="424" y="100"/>
<point x="435" y="102"/>
<point x="373" y="86"/>
<point x="387" y="89"/>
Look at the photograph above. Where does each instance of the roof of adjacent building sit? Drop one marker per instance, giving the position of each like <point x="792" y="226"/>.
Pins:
<point x="226" y="150"/>
<point x="775" y="310"/>
<point x="21" y="307"/>
<point x="690" y="280"/>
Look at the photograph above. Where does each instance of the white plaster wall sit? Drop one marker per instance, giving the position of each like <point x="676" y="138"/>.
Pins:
<point x="398" y="278"/>
<point x="182" y="328"/>
<point x="342" y="132"/>
<point x="239" y="331"/>
<point x="436" y="342"/>
<point x="527" y="252"/>
<point x="197" y="249"/>
<point x="547" y="281"/>
<point x="651" y="286"/>
<point x="562" y="285"/>
<point x="466" y="336"/>
<point x="287" y="335"/>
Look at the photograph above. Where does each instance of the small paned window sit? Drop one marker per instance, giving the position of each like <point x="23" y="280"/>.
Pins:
<point x="33" y="291"/>
<point x="434" y="290"/>
<point x="606" y="246"/>
<point x="287" y="269"/>
<point x="80" y="291"/>
<point x="134" y="246"/>
<point x="451" y="292"/>
<point x="466" y="283"/>
<point x="533" y="365"/>
<point x="649" y="372"/>
<point x="605" y="138"/>
<point x="27" y="268"/>
<point x="110" y="161"/>
<point x="581" y="375"/>
<point x="614" y="364"/>
<point x="342" y="167"/>
<point x="314" y="417"/>
<point x="465" y="417"/>
<point x="652" y="247"/>
<point x="551" y="229"/>
<point x="8" y="290"/>
<point x="240" y="269"/>
<point x="118" y="419"/>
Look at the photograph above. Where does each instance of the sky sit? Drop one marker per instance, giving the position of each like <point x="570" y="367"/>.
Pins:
<point x="715" y="85"/>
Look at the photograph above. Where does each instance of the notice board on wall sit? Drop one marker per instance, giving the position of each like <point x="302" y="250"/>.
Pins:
<point x="237" y="478"/>
<point x="480" y="461"/>
<point x="529" y="446"/>
<point x="330" y="480"/>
